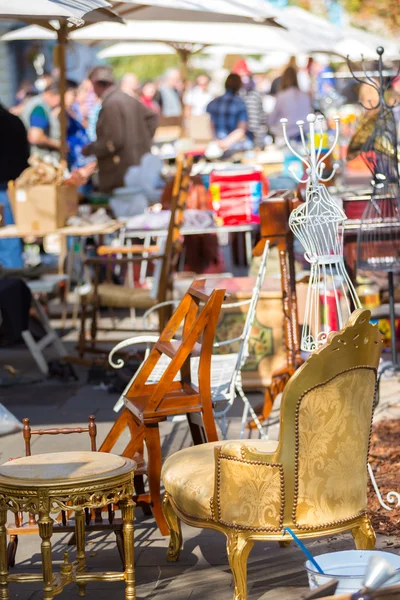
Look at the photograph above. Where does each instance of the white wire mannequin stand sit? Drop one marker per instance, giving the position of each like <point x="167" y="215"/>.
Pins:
<point x="319" y="225"/>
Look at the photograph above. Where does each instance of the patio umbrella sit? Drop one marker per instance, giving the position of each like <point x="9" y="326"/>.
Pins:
<point x="49" y="9"/>
<point x="184" y="37"/>
<point x="59" y="16"/>
<point x="239" y="11"/>
<point x="221" y="11"/>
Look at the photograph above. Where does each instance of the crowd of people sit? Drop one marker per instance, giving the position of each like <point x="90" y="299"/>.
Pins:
<point x="111" y="124"/>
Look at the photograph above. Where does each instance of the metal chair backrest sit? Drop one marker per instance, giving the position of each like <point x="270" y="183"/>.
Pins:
<point x="243" y="353"/>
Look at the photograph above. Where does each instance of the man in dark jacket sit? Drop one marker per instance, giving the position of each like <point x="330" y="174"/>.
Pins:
<point x="14" y="154"/>
<point x="125" y="130"/>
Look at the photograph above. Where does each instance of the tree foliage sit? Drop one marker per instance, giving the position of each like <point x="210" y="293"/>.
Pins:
<point x="364" y="11"/>
<point x="145" y="67"/>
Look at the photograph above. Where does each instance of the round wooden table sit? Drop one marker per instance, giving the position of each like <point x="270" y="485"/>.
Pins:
<point x="73" y="481"/>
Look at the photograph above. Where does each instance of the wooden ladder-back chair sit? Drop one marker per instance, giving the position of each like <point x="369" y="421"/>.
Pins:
<point x="148" y="404"/>
<point x="165" y="258"/>
<point x="226" y="368"/>
<point x="62" y="525"/>
<point x="312" y="481"/>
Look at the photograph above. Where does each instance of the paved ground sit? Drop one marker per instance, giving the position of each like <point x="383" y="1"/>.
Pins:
<point x="202" y="572"/>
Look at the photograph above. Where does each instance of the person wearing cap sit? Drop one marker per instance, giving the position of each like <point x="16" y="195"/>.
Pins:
<point x="41" y="123"/>
<point x="124" y="131"/>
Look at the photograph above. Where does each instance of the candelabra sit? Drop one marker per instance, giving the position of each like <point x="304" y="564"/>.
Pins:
<point x="319" y="224"/>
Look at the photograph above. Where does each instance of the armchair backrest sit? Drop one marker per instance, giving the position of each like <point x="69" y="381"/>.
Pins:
<point x="326" y="418"/>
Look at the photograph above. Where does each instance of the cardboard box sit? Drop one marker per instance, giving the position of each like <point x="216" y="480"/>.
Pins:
<point x="42" y="209"/>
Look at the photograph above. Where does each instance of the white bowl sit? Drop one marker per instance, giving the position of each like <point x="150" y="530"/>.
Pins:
<point x="348" y="567"/>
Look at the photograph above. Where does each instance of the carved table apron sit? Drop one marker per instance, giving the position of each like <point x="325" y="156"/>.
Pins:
<point x="74" y="481"/>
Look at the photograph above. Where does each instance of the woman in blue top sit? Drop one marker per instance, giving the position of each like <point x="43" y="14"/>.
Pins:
<point x="77" y="136"/>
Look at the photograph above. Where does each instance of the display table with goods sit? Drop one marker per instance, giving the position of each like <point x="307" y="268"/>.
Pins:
<point x="45" y="484"/>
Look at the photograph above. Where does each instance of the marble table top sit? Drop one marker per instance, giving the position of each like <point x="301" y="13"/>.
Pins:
<point x="60" y="467"/>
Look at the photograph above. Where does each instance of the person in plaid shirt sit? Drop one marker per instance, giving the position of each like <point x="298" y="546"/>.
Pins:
<point x="229" y="119"/>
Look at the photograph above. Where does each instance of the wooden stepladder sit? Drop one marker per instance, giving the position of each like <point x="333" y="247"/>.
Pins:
<point x="148" y="404"/>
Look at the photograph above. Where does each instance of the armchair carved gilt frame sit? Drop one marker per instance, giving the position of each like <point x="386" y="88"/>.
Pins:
<point x="314" y="480"/>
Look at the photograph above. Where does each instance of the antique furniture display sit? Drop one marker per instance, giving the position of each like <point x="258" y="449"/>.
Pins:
<point x="226" y="366"/>
<point x="44" y="484"/>
<point x="110" y="295"/>
<point x="62" y="524"/>
<point x="274" y="219"/>
<point x="319" y="224"/>
<point x="314" y="480"/>
<point x="147" y="404"/>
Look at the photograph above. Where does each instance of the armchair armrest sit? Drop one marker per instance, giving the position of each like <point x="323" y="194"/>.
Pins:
<point x="140" y="339"/>
<point x="249" y="486"/>
<point x="155" y="307"/>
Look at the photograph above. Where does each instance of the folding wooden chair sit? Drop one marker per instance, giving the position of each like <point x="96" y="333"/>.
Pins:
<point x="148" y="404"/>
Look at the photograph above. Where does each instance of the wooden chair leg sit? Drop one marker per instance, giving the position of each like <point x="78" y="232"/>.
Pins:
<point x="140" y="489"/>
<point x="209" y="420"/>
<point x="196" y="426"/>
<point x="12" y="550"/>
<point x="115" y="432"/>
<point x="152" y="437"/>
<point x="93" y="327"/>
<point x="82" y="334"/>
<point x="119" y="538"/>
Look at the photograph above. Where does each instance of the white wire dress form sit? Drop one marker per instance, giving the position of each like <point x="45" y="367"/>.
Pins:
<point x="319" y="225"/>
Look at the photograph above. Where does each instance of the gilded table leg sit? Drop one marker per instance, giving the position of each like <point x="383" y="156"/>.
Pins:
<point x="80" y="546"/>
<point x="45" y="524"/>
<point x="174" y="524"/>
<point x="128" y="515"/>
<point x="364" y="535"/>
<point x="238" y="547"/>
<point x="4" y="593"/>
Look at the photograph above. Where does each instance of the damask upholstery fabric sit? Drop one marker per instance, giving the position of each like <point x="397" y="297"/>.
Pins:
<point x="334" y="422"/>
<point x="250" y="494"/>
<point x="189" y="475"/>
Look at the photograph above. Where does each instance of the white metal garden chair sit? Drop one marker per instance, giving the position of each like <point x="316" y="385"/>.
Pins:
<point x="226" y="378"/>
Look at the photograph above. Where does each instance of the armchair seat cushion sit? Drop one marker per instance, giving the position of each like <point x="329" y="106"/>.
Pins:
<point x="189" y="475"/>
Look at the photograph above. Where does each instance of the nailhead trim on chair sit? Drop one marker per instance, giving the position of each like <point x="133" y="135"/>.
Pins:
<point x="296" y="467"/>
<point x="282" y="489"/>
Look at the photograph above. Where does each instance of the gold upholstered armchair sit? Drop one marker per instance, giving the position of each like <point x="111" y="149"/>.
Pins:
<point x="314" y="480"/>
